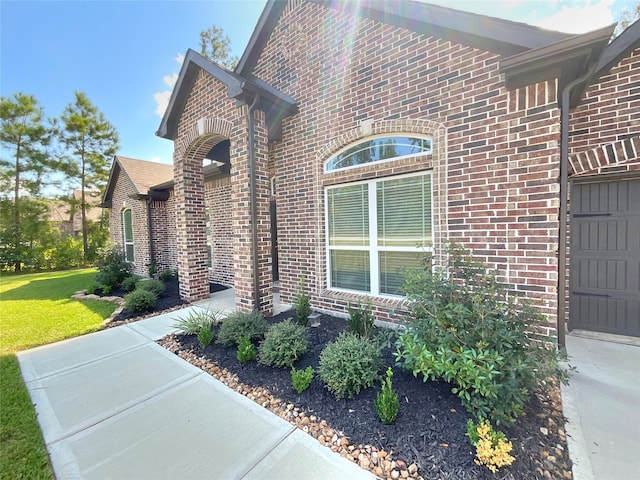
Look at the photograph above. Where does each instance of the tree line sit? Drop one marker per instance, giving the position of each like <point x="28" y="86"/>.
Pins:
<point x="41" y="155"/>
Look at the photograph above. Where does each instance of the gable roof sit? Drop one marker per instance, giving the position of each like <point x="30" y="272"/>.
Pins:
<point x="621" y="46"/>
<point x="503" y="37"/>
<point x="141" y="174"/>
<point x="276" y="104"/>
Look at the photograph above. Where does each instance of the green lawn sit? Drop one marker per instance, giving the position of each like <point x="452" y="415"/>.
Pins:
<point x="35" y="309"/>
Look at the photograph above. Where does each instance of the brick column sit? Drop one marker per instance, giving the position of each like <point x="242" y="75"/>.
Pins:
<point x="191" y="243"/>
<point x="243" y="256"/>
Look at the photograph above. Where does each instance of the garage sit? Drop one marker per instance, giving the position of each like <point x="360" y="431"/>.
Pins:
<point x="605" y="256"/>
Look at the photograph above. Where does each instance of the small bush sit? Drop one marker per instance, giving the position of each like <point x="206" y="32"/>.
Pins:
<point x="140" y="300"/>
<point x="92" y="287"/>
<point x="301" y="379"/>
<point x="167" y="275"/>
<point x="465" y="328"/>
<point x="154" y="286"/>
<point x="241" y="324"/>
<point x="303" y="305"/>
<point x="113" y="268"/>
<point x="106" y="289"/>
<point x="349" y="364"/>
<point x="492" y="447"/>
<point x="129" y="283"/>
<point x="246" y="350"/>
<point x="205" y="336"/>
<point x="361" y="319"/>
<point x="196" y="321"/>
<point x="387" y="403"/>
<point x="283" y="344"/>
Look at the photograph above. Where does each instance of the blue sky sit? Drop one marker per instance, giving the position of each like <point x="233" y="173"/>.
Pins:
<point x="125" y="54"/>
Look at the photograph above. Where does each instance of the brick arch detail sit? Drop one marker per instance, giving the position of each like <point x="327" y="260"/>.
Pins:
<point x="438" y="165"/>
<point x="369" y="128"/>
<point x="623" y="155"/>
<point x="202" y="136"/>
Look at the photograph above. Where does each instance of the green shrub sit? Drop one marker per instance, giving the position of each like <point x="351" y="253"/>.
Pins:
<point x="301" y="379"/>
<point x="92" y="287"/>
<point x="387" y="403"/>
<point x="106" y="289"/>
<point x="196" y="321"/>
<point x="246" y="350"/>
<point x="242" y="324"/>
<point x="129" y="283"/>
<point x="349" y="364"/>
<point x="205" y="336"/>
<point x="154" y="286"/>
<point x="361" y="319"/>
<point x="303" y="305"/>
<point x="283" y="344"/>
<point x="140" y="300"/>
<point x="113" y="268"/>
<point x="463" y="327"/>
<point x="167" y="275"/>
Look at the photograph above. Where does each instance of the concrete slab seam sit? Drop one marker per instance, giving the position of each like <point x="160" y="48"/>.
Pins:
<point x="268" y="452"/>
<point x="29" y="370"/>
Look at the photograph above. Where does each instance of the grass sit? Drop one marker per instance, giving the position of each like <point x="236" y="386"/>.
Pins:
<point x="36" y="309"/>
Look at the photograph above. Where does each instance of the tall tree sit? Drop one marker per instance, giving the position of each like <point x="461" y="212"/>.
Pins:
<point x="627" y="18"/>
<point x="216" y="46"/>
<point x="91" y="142"/>
<point x="26" y="135"/>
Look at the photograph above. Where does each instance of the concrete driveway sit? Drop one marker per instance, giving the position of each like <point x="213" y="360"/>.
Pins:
<point x="602" y="406"/>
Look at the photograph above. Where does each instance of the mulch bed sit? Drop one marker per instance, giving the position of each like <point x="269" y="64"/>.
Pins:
<point x="428" y="438"/>
<point x="168" y="302"/>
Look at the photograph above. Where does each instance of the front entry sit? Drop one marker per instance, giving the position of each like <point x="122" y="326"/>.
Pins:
<point x="605" y="256"/>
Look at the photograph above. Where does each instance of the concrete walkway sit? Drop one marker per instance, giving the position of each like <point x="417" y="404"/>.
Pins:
<point x="115" y="405"/>
<point x="602" y="406"/>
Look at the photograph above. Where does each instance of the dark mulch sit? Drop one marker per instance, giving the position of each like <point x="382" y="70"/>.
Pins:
<point x="431" y="425"/>
<point x="169" y="301"/>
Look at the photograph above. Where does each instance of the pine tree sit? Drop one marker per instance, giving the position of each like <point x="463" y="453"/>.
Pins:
<point x="91" y="142"/>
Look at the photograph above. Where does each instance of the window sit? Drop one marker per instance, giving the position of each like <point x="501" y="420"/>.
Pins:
<point x="127" y="231"/>
<point x="376" y="230"/>
<point x="379" y="149"/>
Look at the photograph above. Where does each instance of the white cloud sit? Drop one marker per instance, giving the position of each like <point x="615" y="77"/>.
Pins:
<point x="162" y="98"/>
<point x="579" y="19"/>
<point x="170" y="80"/>
<point x="162" y="101"/>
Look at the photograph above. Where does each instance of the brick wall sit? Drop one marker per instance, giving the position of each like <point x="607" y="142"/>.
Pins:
<point x="209" y="117"/>
<point x="604" y="132"/>
<point x="121" y="201"/>
<point x="496" y="153"/>
<point x="163" y="228"/>
<point x="218" y="201"/>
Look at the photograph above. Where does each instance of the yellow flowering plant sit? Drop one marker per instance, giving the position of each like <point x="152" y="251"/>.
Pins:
<point x="492" y="447"/>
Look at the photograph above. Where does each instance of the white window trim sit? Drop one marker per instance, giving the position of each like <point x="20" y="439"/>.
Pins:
<point x="124" y="236"/>
<point x="373" y="248"/>
<point x="379" y="162"/>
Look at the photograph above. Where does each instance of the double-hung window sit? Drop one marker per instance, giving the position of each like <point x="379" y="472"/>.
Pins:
<point x="127" y="233"/>
<point x="376" y="231"/>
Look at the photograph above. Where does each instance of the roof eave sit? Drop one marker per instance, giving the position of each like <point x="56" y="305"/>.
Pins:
<point x="621" y="46"/>
<point x="566" y="60"/>
<point x="238" y="87"/>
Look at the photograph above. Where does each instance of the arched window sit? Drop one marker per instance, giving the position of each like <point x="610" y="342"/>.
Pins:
<point x="127" y="233"/>
<point x="378" y="229"/>
<point x="378" y="149"/>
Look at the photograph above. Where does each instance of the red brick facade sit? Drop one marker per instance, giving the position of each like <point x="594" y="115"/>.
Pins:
<point x="494" y="166"/>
